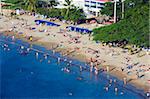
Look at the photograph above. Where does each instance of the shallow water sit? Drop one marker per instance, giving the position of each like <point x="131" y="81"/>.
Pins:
<point x="26" y="76"/>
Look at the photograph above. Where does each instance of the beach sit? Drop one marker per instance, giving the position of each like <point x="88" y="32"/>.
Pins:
<point x="81" y="47"/>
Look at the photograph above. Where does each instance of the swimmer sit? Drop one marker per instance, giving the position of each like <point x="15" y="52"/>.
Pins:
<point x="41" y="60"/>
<point x="79" y="78"/>
<point x="109" y="85"/>
<point x="70" y="62"/>
<point x="22" y="47"/>
<point x="5" y="45"/>
<point x="49" y="61"/>
<point x="65" y="60"/>
<point x="70" y="94"/>
<point x="148" y="94"/>
<point x="66" y="70"/>
<point x="121" y="93"/>
<point x="114" y="80"/>
<point x="106" y="88"/>
<point x="28" y="49"/>
<point x="110" y="81"/>
<point x="45" y="56"/>
<point x="108" y="76"/>
<point x="20" y="70"/>
<point x="31" y="73"/>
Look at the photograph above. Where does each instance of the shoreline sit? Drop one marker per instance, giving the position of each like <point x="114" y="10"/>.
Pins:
<point x="114" y="62"/>
<point x="80" y="58"/>
<point x="128" y="86"/>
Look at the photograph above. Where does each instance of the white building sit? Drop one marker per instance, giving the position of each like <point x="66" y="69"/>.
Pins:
<point x="90" y="7"/>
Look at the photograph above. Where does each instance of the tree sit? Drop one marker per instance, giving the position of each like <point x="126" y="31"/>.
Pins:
<point x="69" y="5"/>
<point x="31" y="5"/>
<point x="53" y="3"/>
<point x="109" y="9"/>
<point x="48" y="3"/>
<point x="78" y="14"/>
<point x="134" y="27"/>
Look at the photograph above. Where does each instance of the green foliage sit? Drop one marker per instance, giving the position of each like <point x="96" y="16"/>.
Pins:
<point x="134" y="28"/>
<point x="46" y="7"/>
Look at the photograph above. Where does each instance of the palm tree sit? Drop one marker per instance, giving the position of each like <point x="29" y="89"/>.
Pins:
<point x="53" y="3"/>
<point x="31" y="5"/>
<point x="50" y="3"/>
<point x="69" y="5"/>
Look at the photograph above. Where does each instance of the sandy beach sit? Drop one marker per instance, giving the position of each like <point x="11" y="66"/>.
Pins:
<point x="134" y="68"/>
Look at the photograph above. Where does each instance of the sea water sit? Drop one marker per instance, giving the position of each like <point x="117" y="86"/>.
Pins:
<point x="25" y="75"/>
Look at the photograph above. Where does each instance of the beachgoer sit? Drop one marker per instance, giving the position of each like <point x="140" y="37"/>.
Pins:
<point x="58" y="59"/>
<point x="41" y="60"/>
<point x="30" y="38"/>
<point x="66" y="70"/>
<point x="13" y="37"/>
<point x="110" y="81"/>
<point x="28" y="49"/>
<point x="65" y="60"/>
<point x="70" y="62"/>
<point x="22" y="47"/>
<point x="125" y="80"/>
<point x="96" y="71"/>
<point x="70" y="94"/>
<point x="116" y="90"/>
<point x="122" y="69"/>
<point x="45" y="56"/>
<point x="148" y="94"/>
<point x="31" y="73"/>
<point x="121" y="93"/>
<point x="107" y="68"/>
<point x="91" y="68"/>
<point x="37" y="54"/>
<point x="106" y="88"/>
<point x="80" y="68"/>
<point x="49" y="61"/>
<point x="53" y="52"/>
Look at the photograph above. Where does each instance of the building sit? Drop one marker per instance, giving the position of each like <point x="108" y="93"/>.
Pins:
<point x="94" y="6"/>
<point x="90" y="7"/>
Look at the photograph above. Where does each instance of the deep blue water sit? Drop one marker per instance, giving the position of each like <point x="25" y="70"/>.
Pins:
<point x="24" y="76"/>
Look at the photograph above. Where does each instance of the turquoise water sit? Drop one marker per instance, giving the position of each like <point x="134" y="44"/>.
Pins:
<point x="27" y="76"/>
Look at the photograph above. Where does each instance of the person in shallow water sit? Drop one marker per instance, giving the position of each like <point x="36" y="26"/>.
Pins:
<point x="23" y="52"/>
<point x="116" y="90"/>
<point x="36" y="54"/>
<point x="66" y="70"/>
<point x="5" y="46"/>
<point x="58" y="60"/>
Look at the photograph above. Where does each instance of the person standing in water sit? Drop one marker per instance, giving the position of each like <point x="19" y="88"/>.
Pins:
<point x="13" y="37"/>
<point x="116" y="90"/>
<point x="36" y="54"/>
<point x="28" y="49"/>
<point x="125" y="80"/>
<point x="53" y="52"/>
<point x="58" y="60"/>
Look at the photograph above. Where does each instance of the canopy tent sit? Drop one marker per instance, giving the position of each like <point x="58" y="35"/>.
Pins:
<point x="78" y="29"/>
<point x="46" y="22"/>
